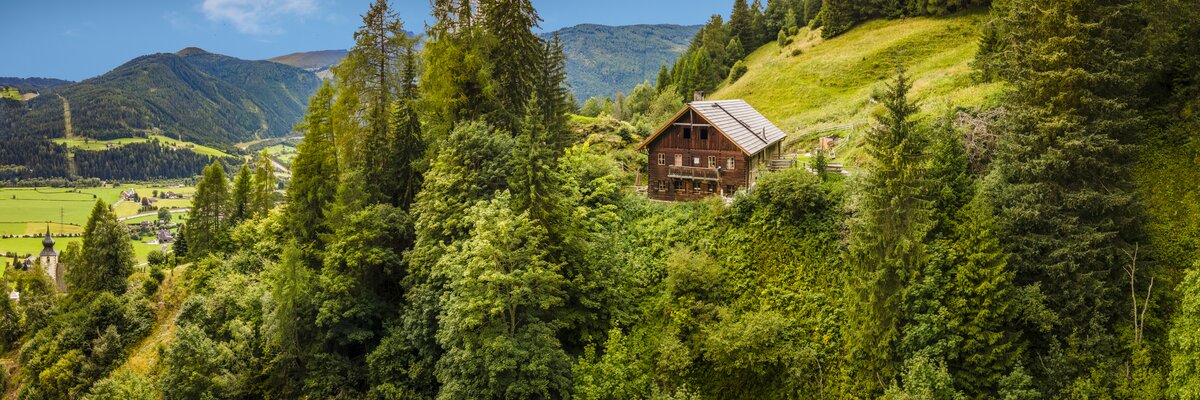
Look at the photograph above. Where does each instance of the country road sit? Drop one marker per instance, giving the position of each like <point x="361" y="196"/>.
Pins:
<point x="173" y="211"/>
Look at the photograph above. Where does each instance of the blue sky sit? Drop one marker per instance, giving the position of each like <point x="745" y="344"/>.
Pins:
<point x="79" y="39"/>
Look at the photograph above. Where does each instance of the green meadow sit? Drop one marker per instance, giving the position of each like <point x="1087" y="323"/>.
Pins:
<point x="815" y="84"/>
<point x="25" y="211"/>
<point x="83" y="143"/>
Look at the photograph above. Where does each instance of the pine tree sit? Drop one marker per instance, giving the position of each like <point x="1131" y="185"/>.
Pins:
<point x="887" y="235"/>
<point x="241" y="202"/>
<point x="106" y="257"/>
<point x="208" y="221"/>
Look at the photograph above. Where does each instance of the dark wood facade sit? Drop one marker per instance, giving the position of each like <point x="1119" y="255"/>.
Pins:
<point x="691" y="159"/>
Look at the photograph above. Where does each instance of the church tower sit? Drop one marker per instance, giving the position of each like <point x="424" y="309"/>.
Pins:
<point x="49" y="261"/>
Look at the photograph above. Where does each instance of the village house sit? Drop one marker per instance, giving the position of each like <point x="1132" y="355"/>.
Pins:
<point x="711" y="148"/>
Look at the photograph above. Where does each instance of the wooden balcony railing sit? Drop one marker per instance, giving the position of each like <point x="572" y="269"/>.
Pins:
<point x="700" y="173"/>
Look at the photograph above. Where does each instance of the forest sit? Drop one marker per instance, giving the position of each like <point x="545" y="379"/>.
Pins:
<point x="452" y="231"/>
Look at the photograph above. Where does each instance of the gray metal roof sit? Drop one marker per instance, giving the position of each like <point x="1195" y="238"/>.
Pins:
<point x="741" y="123"/>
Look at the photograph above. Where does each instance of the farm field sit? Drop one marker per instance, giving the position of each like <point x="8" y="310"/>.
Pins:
<point x="24" y="246"/>
<point x="26" y="211"/>
<point x="93" y="144"/>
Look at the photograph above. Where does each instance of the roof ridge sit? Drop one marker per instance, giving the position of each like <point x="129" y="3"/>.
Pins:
<point x="744" y="125"/>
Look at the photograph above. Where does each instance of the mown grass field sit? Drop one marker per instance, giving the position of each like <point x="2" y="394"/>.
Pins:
<point x="814" y="84"/>
<point x="283" y="153"/>
<point x="93" y="144"/>
<point x="25" y="211"/>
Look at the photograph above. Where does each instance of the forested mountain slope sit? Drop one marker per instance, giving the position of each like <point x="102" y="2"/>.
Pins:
<point x="602" y="60"/>
<point x="194" y="95"/>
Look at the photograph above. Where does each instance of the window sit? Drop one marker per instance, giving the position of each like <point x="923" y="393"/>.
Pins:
<point x="679" y="160"/>
<point x="678" y="184"/>
<point x="729" y="164"/>
<point x="696" y="161"/>
<point x="712" y="161"/>
<point x="662" y="186"/>
<point x="703" y="133"/>
<point x="662" y="158"/>
<point x="696" y="186"/>
<point x="687" y="133"/>
<point x="712" y="187"/>
<point x="729" y="190"/>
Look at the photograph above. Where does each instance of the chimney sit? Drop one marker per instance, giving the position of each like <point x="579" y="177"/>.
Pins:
<point x="698" y="95"/>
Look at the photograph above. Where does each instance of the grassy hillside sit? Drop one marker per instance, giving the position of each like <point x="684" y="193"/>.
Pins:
<point x="603" y="60"/>
<point x="814" y="84"/>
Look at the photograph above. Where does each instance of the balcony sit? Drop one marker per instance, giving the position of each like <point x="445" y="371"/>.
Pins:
<point x="694" y="173"/>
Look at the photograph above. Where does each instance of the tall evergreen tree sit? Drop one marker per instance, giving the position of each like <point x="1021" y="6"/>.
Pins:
<point x="887" y="234"/>
<point x="106" y="257"/>
<point x="1061" y="185"/>
<point x="663" y="80"/>
<point x="516" y="53"/>
<point x="241" y="203"/>
<point x="741" y="23"/>
<point x="208" y="221"/>
<point x="314" y="175"/>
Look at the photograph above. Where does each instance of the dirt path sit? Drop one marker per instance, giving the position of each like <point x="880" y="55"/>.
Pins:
<point x="173" y="211"/>
<point x="68" y="132"/>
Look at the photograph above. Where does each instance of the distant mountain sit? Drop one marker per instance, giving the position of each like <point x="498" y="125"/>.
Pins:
<point x="28" y="85"/>
<point x="603" y="60"/>
<point x="206" y="98"/>
<point x="317" y="62"/>
<point x="312" y="60"/>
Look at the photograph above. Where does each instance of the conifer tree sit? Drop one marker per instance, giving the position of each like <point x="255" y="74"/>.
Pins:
<point x="516" y="53"/>
<point x="314" y="175"/>
<point x="208" y="221"/>
<point x="107" y="256"/>
<point x="1061" y="182"/>
<point x="241" y="201"/>
<point x="264" y="187"/>
<point x="741" y="23"/>
<point x="1185" y="338"/>
<point x="887" y="234"/>
<point x="664" y="79"/>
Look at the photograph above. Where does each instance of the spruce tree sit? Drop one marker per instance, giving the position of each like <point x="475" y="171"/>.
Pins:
<point x="106" y="257"/>
<point x="1061" y="182"/>
<point x="887" y="234"/>
<point x="314" y="175"/>
<point x="663" y="80"/>
<point x="241" y="202"/>
<point x="208" y="221"/>
<point x="741" y="23"/>
<point x="515" y="51"/>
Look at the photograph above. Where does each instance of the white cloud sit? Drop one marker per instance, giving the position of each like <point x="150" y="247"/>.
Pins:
<point x="256" y="17"/>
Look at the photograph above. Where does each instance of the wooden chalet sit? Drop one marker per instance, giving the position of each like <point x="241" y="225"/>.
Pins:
<point x="710" y="148"/>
